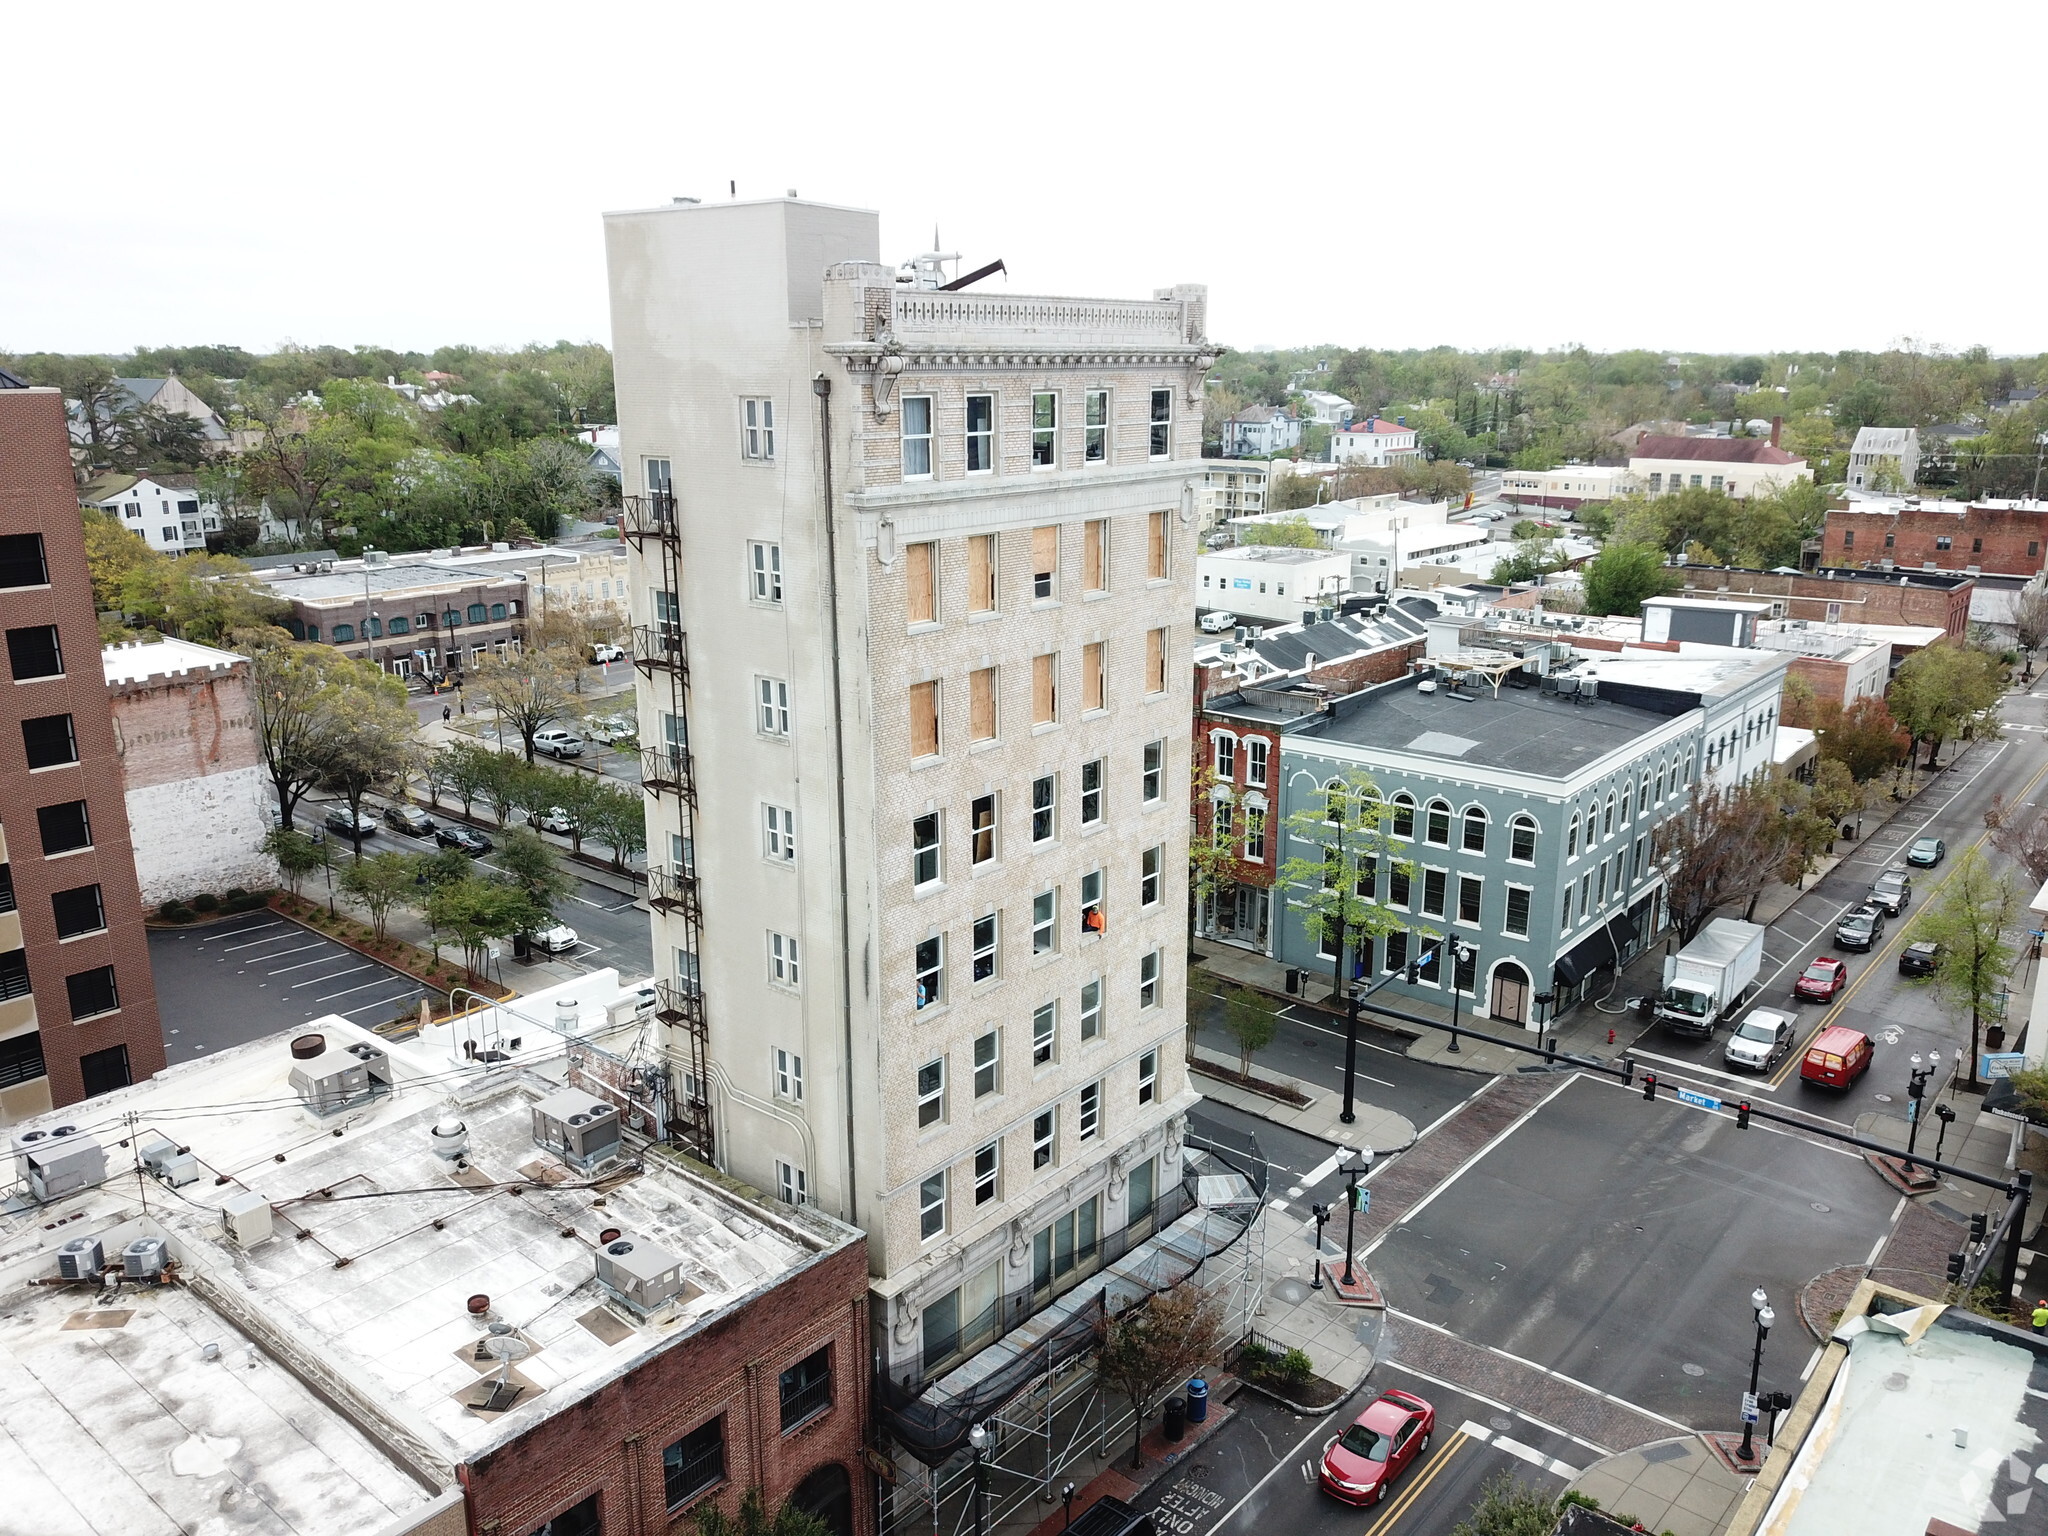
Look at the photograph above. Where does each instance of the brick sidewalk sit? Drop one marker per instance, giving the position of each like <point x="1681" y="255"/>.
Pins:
<point x="1915" y="1256"/>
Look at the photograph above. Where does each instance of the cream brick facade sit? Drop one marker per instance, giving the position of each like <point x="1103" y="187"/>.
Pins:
<point x="720" y="305"/>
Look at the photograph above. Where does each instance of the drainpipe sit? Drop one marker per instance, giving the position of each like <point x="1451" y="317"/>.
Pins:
<point x="821" y="386"/>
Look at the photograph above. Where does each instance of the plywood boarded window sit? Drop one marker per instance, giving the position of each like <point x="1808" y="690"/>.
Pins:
<point x="920" y="594"/>
<point x="1045" y="561"/>
<point x="981" y="704"/>
<point x="924" y="719"/>
<point x="1155" y="661"/>
<point x="1091" y="676"/>
<point x="1095" y="556"/>
<point x="1045" y="688"/>
<point x="1155" y="545"/>
<point x="981" y="573"/>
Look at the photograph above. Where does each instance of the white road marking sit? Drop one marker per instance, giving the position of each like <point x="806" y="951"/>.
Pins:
<point x="236" y="933"/>
<point x="258" y="943"/>
<point x="1570" y="1381"/>
<point x="381" y="981"/>
<point x="1528" y="1453"/>
<point x="315" y="981"/>
<point x="1481" y="1397"/>
<point x="332" y="954"/>
<point x="1751" y="1081"/>
<point x="1306" y="1440"/>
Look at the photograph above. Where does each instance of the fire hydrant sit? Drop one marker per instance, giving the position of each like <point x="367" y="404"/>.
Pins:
<point x="1610" y="1037"/>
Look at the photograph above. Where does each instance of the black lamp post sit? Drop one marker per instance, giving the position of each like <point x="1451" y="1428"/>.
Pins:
<point x="1354" y="1167"/>
<point x="1761" y="1305"/>
<point x="1460" y="950"/>
<point x="1351" y="1000"/>
<point x="1947" y="1118"/>
<point x="978" y="1438"/>
<point x="1067" y="1493"/>
<point x="1916" y="1095"/>
<point x="1321" y="1214"/>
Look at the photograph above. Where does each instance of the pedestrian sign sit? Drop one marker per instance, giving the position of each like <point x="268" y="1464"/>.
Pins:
<point x="1364" y="1199"/>
<point x="1698" y="1100"/>
<point x="1749" y="1413"/>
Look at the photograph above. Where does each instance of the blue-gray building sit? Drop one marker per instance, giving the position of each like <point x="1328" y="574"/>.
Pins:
<point x="1527" y="814"/>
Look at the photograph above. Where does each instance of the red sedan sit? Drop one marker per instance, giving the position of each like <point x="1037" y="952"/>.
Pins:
<point x="1359" y="1464"/>
<point x="1821" y="980"/>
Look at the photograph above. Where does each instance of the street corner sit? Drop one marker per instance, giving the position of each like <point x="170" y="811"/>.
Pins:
<point x="1680" y="1485"/>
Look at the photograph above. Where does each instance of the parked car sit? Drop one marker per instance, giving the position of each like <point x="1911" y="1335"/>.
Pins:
<point x="1919" y="959"/>
<point x="606" y="729"/>
<point x="1892" y="890"/>
<point x="1360" y="1464"/>
<point x="468" y="839"/>
<point x="1216" y="623"/>
<point x="600" y="654"/>
<point x="1860" y="927"/>
<point x="1823" y="977"/>
<point x="558" y="940"/>
<point x="1837" y="1057"/>
<point x="355" y="824"/>
<point x="1760" y="1041"/>
<point x="1927" y="852"/>
<point x="558" y="743"/>
<point x="553" y="819"/>
<point x="409" y="818"/>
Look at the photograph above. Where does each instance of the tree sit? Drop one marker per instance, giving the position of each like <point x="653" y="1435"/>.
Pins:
<point x="1974" y="916"/>
<point x="1212" y="844"/>
<point x="1532" y="560"/>
<point x="468" y="769"/>
<point x="152" y="438"/>
<point x="200" y="597"/>
<point x="1947" y="692"/>
<point x="618" y="816"/>
<point x="1337" y="890"/>
<point x="1864" y="738"/>
<point x="2021" y="836"/>
<point x="1797" y="702"/>
<point x="530" y="692"/>
<point x="1623" y="576"/>
<point x="364" y="737"/>
<point x="474" y="911"/>
<point x="754" y="1520"/>
<point x="1509" y="1508"/>
<point x="1293" y="532"/>
<point x="1154" y="1343"/>
<point x="297" y="855"/>
<point x="535" y="869"/>
<point x="2030" y="621"/>
<point x="1722" y="847"/>
<point x="1250" y="1023"/>
<point x="504" y="777"/>
<point x="381" y="882"/>
<point x="289" y="682"/>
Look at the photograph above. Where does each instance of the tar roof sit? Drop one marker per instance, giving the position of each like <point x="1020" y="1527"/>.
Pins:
<point x="1524" y="731"/>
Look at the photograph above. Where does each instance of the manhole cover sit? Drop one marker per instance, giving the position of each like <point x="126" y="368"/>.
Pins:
<point x="1499" y="1424"/>
<point x="1896" y="1382"/>
<point x="1290" y="1290"/>
<point x="1819" y="1207"/>
<point x="1693" y="1370"/>
<point x="1883" y="1098"/>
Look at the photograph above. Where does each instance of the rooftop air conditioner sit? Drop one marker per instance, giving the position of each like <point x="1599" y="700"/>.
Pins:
<point x="245" y="1219"/>
<point x="81" y="1259"/>
<point x="642" y="1274"/>
<point x="330" y="1079"/>
<point x="144" y="1259"/>
<point x="577" y="1127"/>
<point x="57" y="1162"/>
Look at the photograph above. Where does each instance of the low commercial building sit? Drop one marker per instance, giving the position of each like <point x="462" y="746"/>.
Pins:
<point x="1270" y="581"/>
<point x="1566" y="488"/>
<point x="1836" y="596"/>
<point x="1995" y="536"/>
<point x="1740" y="466"/>
<point x="488" y="1301"/>
<point x="191" y="768"/>
<point x="1838" y="663"/>
<point x="409" y="619"/>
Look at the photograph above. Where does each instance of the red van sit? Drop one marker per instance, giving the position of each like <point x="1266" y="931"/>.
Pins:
<point x="1837" y="1057"/>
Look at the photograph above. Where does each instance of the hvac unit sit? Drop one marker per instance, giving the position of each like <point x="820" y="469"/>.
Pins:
<point x="162" y="1157"/>
<point x="641" y="1274"/>
<point x="57" y="1162"/>
<point x="329" y="1080"/>
<point x="81" y="1259"/>
<point x="578" y="1127"/>
<point x="245" y="1219"/>
<point x="144" y="1258"/>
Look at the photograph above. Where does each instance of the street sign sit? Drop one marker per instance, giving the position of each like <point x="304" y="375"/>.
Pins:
<point x="1364" y="1199"/>
<point x="2001" y="1063"/>
<point x="1698" y="1100"/>
<point x="1749" y="1413"/>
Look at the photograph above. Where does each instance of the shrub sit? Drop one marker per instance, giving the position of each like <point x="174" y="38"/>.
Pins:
<point x="233" y="893"/>
<point x="176" y="912"/>
<point x="206" y="901"/>
<point x="1295" y="1367"/>
<point x="1255" y="1357"/>
<point x="165" y="910"/>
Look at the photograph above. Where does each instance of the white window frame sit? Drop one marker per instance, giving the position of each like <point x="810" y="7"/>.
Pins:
<point x="988" y="1173"/>
<point x="992" y="1067"/>
<point x="968" y="434"/>
<point x="933" y="852"/>
<point x="1474" y="880"/>
<point x="990" y="951"/>
<point x="1508" y="908"/>
<point x="1091" y="1009"/>
<point x="1095" y="447"/>
<point x="1048" y="814"/>
<point x="937" y="973"/>
<point x="1045" y="440"/>
<point x="778" y="834"/>
<point x="1045" y="922"/>
<point x="1153" y="764"/>
<point x="1158" y="428"/>
<point x="1045" y="1034"/>
<point x="789" y="1075"/>
<point x="922" y="439"/>
<point x="930" y="1086"/>
<point x="931" y="1207"/>
<point x="1094" y="799"/>
<point x="1255" y="834"/>
<point x="784" y="967"/>
<point x="1223" y="754"/>
<point x="771" y="707"/>
<point x="1148" y="1076"/>
<point x="1149" y="967"/>
<point x="1255" y="755"/>
<point x="1150" y="864"/>
<point x="1523" y="823"/>
<point x="1045" y="1138"/>
<point x="791" y="1183"/>
<point x="757" y="428"/>
<point x="975" y="834"/>
<point x="764" y="569"/>
<point x="1088" y="1121"/>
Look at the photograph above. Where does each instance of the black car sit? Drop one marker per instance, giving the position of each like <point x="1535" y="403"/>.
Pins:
<point x="1861" y="927"/>
<point x="349" y="823"/>
<point x="410" y="818"/>
<point x="468" y="839"/>
<point x="1919" y="959"/>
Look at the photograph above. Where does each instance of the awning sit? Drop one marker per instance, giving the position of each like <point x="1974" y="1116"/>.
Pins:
<point x="1593" y="952"/>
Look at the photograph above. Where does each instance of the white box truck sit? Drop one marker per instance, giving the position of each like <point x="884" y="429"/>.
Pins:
<point x="1711" y="977"/>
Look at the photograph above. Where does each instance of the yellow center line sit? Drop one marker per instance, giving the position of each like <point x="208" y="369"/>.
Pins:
<point x="1890" y="949"/>
<point x="1428" y="1471"/>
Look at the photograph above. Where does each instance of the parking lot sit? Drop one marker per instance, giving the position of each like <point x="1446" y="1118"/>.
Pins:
<point x="252" y="975"/>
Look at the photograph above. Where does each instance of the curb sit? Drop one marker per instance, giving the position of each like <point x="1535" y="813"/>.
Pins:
<point x="1304" y="1409"/>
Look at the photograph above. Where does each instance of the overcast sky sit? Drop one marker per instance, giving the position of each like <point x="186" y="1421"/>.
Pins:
<point x="1788" y="175"/>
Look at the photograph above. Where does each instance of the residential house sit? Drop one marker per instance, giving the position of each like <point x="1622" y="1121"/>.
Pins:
<point x="1884" y="459"/>
<point x="1331" y="410"/>
<point x="1740" y="466"/>
<point x="1259" y="431"/>
<point x="166" y="512"/>
<point x="166" y="394"/>
<point x="1375" y="443"/>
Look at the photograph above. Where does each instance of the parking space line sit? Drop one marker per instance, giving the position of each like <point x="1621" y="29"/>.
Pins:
<point x="329" y="997"/>
<point x="236" y="933"/>
<point x="257" y="943"/>
<point x="380" y="1002"/>
<point x="315" y="981"/>
<point x="320" y="960"/>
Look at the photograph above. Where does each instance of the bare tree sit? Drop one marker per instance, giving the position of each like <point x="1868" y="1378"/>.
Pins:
<point x="2030" y="621"/>
<point x="1723" y="847"/>
<point x="2021" y="834"/>
<point x="1152" y="1344"/>
<point x="530" y="692"/>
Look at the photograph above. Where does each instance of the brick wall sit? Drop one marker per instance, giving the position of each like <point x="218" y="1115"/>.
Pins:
<point x="610" y="1443"/>
<point x="2007" y="540"/>
<point x="1865" y="597"/>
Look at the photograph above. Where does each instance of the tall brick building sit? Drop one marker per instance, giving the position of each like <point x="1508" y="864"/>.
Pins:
<point x="914" y="595"/>
<point x="77" y="1005"/>
<point x="2006" y="538"/>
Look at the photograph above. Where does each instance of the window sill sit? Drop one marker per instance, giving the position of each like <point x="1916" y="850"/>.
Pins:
<point x="68" y="853"/>
<point x="1096" y="597"/>
<point x="1043" y="726"/>
<point x="104" y="1013"/>
<point x="809" y="1419"/>
<point x="920" y="764"/>
<point x="676" y="1511"/>
<point x="987" y="744"/>
<point x="90" y="933"/>
<point x="53" y="767"/>
<point x="984" y="616"/>
<point x="47" y="677"/>
<point x="917" y="626"/>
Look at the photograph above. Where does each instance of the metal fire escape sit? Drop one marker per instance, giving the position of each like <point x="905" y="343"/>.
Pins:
<point x="661" y="652"/>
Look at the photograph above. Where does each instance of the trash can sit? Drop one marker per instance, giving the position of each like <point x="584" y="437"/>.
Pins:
<point x="1176" y="1418"/>
<point x="1198" y="1401"/>
<point x="1293" y="982"/>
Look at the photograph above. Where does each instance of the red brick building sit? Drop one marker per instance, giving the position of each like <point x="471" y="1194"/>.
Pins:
<point x="2007" y="538"/>
<point x="1834" y="596"/>
<point x="78" y="1010"/>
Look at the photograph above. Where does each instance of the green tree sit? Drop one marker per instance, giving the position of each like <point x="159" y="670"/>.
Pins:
<point x="1947" y="692"/>
<point x="1250" y="1023"/>
<point x="1864" y="738"/>
<point x="152" y="438"/>
<point x="1532" y="560"/>
<point x="1151" y="1344"/>
<point x="381" y="882"/>
<point x="297" y="855"/>
<point x="1975" y="916"/>
<point x="474" y="911"/>
<point x="114" y="557"/>
<point x="1336" y="891"/>
<point x="1293" y="532"/>
<point x="289" y="684"/>
<point x="535" y="870"/>
<point x="365" y="735"/>
<point x="1623" y="576"/>
<point x="753" y="1519"/>
<point x="469" y="770"/>
<point x="619" y="818"/>
<point x="1212" y="845"/>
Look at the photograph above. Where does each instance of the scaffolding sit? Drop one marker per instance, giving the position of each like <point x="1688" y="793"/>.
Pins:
<point x="660" y="652"/>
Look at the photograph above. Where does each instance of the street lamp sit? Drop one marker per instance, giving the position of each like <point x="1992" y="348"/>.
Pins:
<point x="977" y="1437"/>
<point x="1355" y="1167"/>
<point x="1947" y="1117"/>
<point x="1321" y="1214"/>
<point x="1460" y="952"/>
<point x="1916" y="1095"/>
<point x="1760" y="1304"/>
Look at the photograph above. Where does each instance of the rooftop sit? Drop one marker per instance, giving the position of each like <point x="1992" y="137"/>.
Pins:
<point x="1720" y="450"/>
<point x="1376" y="424"/>
<point x="1882" y="439"/>
<point x="1273" y="554"/>
<point x="1705" y="670"/>
<point x="134" y="661"/>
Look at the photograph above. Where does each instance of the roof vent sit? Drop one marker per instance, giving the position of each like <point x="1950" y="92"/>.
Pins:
<point x="567" y="1013"/>
<point x="641" y="1274"/>
<point x="449" y="1139"/>
<point x="335" y="1080"/>
<point x="1427" y="685"/>
<point x="578" y="1128"/>
<point x="58" y="1162"/>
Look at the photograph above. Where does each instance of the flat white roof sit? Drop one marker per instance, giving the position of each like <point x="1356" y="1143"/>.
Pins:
<point x="1274" y="554"/>
<point x="133" y="660"/>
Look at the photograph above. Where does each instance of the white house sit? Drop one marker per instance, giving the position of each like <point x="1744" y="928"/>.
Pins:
<point x="1331" y="410"/>
<point x="1893" y="452"/>
<point x="1374" y="442"/>
<point x="1258" y="430"/>
<point x="166" y="394"/>
<point x="166" y="513"/>
<point x="1270" y="581"/>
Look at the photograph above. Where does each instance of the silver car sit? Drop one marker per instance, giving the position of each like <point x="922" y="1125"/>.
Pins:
<point x="1760" y="1041"/>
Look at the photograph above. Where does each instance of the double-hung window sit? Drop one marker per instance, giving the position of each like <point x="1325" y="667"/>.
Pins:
<point x="1045" y="424"/>
<point x="1045" y="808"/>
<point x="1255" y="761"/>
<point x="1044" y="1137"/>
<point x="1091" y="1009"/>
<point x="981" y="434"/>
<point x="778" y="834"/>
<point x="1148" y="1077"/>
<point x="931" y="1206"/>
<point x="1149" y="863"/>
<point x="1470" y="889"/>
<point x="782" y="960"/>
<point x="1089" y="1122"/>
<point x="988" y="1064"/>
<point x="1516" y="924"/>
<point x="1148" y="979"/>
<point x="929" y="961"/>
<point x="1160" y="444"/>
<point x="1045" y="1034"/>
<point x="925" y="863"/>
<point x="988" y="1168"/>
<point x="917" y="437"/>
<point x="757" y="429"/>
<point x="1093" y="774"/>
<point x="789" y="1075"/>
<point x="772" y="703"/>
<point x="1254" y="835"/>
<point x="981" y="815"/>
<point x="1091" y="903"/>
<point x="987" y="955"/>
<point x="1095" y="430"/>
<point x="1045" y="560"/>
<point x="1045" y="922"/>
<point x="1226" y="756"/>
<point x="931" y="1093"/>
<point x="766" y="563"/>
<point x="1155" y="758"/>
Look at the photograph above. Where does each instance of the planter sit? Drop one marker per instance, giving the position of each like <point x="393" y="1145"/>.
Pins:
<point x="1277" y="1092"/>
<point x="409" y="959"/>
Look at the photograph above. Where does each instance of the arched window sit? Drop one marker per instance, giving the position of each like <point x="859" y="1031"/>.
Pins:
<point x="1475" y="829"/>
<point x="1404" y="815"/>
<point x="1660" y="783"/>
<point x="1333" y="804"/>
<point x="1571" y="840"/>
<point x="373" y="628"/>
<point x="1255" y="760"/>
<point x="477" y="613"/>
<point x="400" y="624"/>
<point x="1522" y="840"/>
<point x="1607" y="821"/>
<point x="344" y="633"/>
<point x="452" y="619"/>
<point x="1643" y="799"/>
<point x="1226" y="754"/>
<point x="1436" y="828"/>
<point x="497" y="610"/>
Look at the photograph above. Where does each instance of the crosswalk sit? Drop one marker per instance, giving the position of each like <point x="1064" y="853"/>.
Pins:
<point x="1528" y="1453"/>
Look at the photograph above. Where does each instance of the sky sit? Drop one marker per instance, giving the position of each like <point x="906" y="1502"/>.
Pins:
<point x="1797" y="175"/>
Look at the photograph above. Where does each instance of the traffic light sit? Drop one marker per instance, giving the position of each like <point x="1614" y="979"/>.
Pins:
<point x="1628" y="1071"/>
<point x="1742" y="1115"/>
<point x="1955" y="1269"/>
<point x="1979" y="1224"/>
<point x="1649" y="1085"/>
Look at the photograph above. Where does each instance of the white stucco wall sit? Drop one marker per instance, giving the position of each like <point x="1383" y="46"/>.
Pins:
<point x="204" y="834"/>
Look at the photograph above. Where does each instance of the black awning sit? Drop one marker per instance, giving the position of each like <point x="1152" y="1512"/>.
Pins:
<point x="1624" y="930"/>
<point x="1592" y="953"/>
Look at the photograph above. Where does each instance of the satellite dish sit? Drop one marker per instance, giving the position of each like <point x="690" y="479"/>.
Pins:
<point x="507" y="1347"/>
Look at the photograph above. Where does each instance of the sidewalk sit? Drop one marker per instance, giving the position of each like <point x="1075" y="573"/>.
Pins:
<point x="1677" y="1485"/>
<point x="1380" y="1129"/>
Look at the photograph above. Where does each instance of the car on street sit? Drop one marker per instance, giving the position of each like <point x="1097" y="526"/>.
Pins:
<point x="1860" y="927"/>
<point x="356" y="824"/>
<point x="600" y="654"/>
<point x="1823" y="977"/>
<point x="1362" y="1463"/>
<point x="468" y="839"/>
<point x="557" y="940"/>
<point x="1927" y="852"/>
<point x="1919" y="959"/>
<point x="1760" y="1041"/>
<point x="1217" y="623"/>
<point x="409" y="818"/>
<point x="1838" y="1056"/>
<point x="553" y="819"/>
<point x="558" y="743"/>
<point x="606" y="729"/>
<point x="1892" y="890"/>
